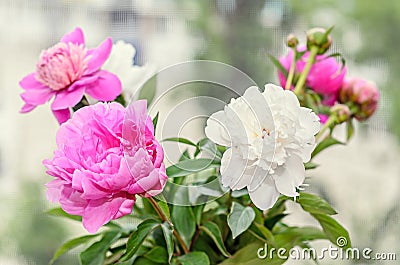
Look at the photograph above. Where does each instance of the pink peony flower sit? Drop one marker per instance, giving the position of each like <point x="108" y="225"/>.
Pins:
<point x="66" y="71"/>
<point x="325" y="77"/>
<point x="363" y="94"/>
<point x="103" y="162"/>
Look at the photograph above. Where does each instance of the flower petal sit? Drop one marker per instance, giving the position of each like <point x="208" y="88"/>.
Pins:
<point x="37" y="97"/>
<point x="30" y="82"/>
<point x="265" y="196"/>
<point x="216" y="129"/>
<point x="233" y="168"/>
<point x="101" y="211"/>
<point x="106" y="88"/>
<point x="27" y="108"/>
<point x="62" y="115"/>
<point x="290" y="176"/>
<point x="66" y="99"/>
<point x="99" y="55"/>
<point x="75" y="37"/>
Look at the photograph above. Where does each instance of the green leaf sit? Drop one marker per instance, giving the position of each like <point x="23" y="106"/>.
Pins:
<point x="194" y="258"/>
<point x="95" y="254"/>
<point x="184" y="221"/>
<point x="71" y="244"/>
<point x="240" y="218"/>
<point x="155" y="121"/>
<point x="264" y="231"/>
<point x="167" y="231"/>
<point x="143" y="261"/>
<point x="157" y="255"/>
<point x="313" y="204"/>
<point x="187" y="167"/>
<point x="296" y="236"/>
<point x="310" y="165"/>
<point x="185" y="155"/>
<point x="329" y="141"/>
<point x="350" y="129"/>
<point x="137" y="237"/>
<point x="209" y="147"/>
<point x="58" y="212"/>
<point x="278" y="65"/>
<point x="148" y="91"/>
<point x="248" y="256"/>
<point x="180" y="140"/>
<point x="212" y="230"/>
<point x="198" y="212"/>
<point x="333" y="230"/>
<point x="162" y="203"/>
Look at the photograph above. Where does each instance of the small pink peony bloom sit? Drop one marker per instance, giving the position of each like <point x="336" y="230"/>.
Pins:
<point x="106" y="156"/>
<point x="66" y="71"/>
<point x="363" y="94"/>
<point x="325" y="77"/>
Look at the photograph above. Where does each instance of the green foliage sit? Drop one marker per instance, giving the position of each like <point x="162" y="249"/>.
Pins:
<point x="193" y="258"/>
<point x="188" y="167"/>
<point x="71" y="244"/>
<point x="240" y="218"/>
<point x="155" y="121"/>
<point x="213" y="231"/>
<point x="314" y="204"/>
<point x="167" y="231"/>
<point x="96" y="253"/>
<point x="137" y="238"/>
<point x="184" y="221"/>
<point x="327" y="142"/>
<point x="333" y="230"/>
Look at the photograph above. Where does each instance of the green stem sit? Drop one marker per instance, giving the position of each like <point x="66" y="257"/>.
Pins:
<point x="303" y="76"/>
<point x="331" y="120"/>
<point x="289" y="80"/>
<point x="164" y="218"/>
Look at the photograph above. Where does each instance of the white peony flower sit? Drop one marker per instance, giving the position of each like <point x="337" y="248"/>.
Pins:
<point x="270" y="137"/>
<point x="121" y="63"/>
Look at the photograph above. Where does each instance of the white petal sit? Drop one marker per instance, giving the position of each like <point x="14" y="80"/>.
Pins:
<point x="290" y="176"/>
<point x="259" y="107"/>
<point x="216" y="129"/>
<point x="232" y="170"/>
<point x="265" y="196"/>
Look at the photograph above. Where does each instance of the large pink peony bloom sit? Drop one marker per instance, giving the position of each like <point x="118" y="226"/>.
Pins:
<point x="325" y="77"/>
<point x="102" y="162"/>
<point x="66" y="71"/>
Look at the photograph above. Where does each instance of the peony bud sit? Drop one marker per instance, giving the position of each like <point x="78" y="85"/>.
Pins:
<point x="363" y="94"/>
<point x="292" y="41"/>
<point x="342" y="113"/>
<point x="316" y="37"/>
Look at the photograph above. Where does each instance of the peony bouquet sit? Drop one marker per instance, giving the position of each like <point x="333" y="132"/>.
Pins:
<point x="225" y="199"/>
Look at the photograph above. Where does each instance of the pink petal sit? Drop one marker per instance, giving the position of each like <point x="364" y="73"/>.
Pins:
<point x="65" y="99"/>
<point x="36" y="97"/>
<point x="106" y="88"/>
<point x="99" y="55"/>
<point x="30" y="82"/>
<point x="124" y="209"/>
<point x="101" y="211"/>
<point x="75" y="37"/>
<point x="62" y="115"/>
<point x="27" y="108"/>
<point x="54" y="189"/>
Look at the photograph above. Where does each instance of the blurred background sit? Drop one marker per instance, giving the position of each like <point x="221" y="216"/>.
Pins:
<point x="361" y="180"/>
